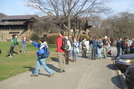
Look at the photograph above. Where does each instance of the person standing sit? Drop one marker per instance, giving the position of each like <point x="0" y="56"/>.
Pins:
<point x="105" y="46"/>
<point x="74" y="50"/>
<point x="94" y="49"/>
<point x="24" y="44"/>
<point x="41" y="59"/>
<point x="67" y="51"/>
<point x="60" y="52"/>
<point x="123" y="46"/>
<point x="15" y="41"/>
<point x="132" y="46"/>
<point x="99" y="47"/>
<point x="84" y="47"/>
<point x="118" y="46"/>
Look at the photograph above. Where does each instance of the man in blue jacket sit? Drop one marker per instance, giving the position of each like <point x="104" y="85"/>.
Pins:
<point x="94" y="49"/>
<point x="41" y="58"/>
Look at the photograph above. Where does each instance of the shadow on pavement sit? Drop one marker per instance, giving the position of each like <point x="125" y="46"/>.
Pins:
<point x="53" y="67"/>
<point x="112" y="66"/>
<point x="116" y="81"/>
<point x="54" y="59"/>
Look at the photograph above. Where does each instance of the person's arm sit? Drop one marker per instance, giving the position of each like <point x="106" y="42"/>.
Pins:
<point x="37" y="45"/>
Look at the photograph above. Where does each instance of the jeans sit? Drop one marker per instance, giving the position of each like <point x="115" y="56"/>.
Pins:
<point x="94" y="51"/>
<point x="74" y="55"/>
<point x="118" y="51"/>
<point x="84" y="52"/>
<point x="24" y="47"/>
<point x="99" y="52"/>
<point x="43" y="63"/>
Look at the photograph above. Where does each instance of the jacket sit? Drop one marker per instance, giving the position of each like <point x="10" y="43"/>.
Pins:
<point x="15" y="41"/>
<point x="40" y="51"/>
<point x="59" y="44"/>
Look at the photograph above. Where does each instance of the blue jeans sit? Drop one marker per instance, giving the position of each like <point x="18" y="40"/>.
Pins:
<point x="43" y="64"/>
<point x="94" y="51"/>
<point x="118" y="51"/>
<point x="99" y="52"/>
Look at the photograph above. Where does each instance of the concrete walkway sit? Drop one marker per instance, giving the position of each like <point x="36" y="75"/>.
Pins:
<point x="83" y="74"/>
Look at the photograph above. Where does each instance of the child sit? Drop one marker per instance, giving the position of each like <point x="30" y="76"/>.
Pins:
<point x="74" y="50"/>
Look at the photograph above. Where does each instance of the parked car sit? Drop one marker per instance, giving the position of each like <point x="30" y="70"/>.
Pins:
<point x="129" y="76"/>
<point x="123" y="61"/>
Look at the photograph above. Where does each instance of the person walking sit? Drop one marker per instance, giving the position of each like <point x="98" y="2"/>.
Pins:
<point x="94" y="49"/>
<point x="24" y="44"/>
<point x="67" y="51"/>
<point x="60" y="52"/>
<point x="75" y="50"/>
<point x="41" y="59"/>
<point x="16" y="43"/>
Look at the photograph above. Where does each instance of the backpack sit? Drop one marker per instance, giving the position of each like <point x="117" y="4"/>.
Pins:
<point x="46" y="52"/>
<point x="83" y="44"/>
<point x="64" y="46"/>
<point x="123" y="44"/>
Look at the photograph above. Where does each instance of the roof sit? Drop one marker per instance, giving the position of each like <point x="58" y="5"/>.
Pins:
<point x="18" y="17"/>
<point x="12" y="23"/>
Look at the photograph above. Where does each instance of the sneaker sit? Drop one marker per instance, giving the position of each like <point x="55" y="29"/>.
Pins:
<point x="33" y="75"/>
<point x="50" y="75"/>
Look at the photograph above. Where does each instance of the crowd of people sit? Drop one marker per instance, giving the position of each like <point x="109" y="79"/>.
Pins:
<point x="124" y="46"/>
<point x="68" y="49"/>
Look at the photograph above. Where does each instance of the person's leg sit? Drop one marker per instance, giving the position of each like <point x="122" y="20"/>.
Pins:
<point x="25" y="48"/>
<point x="22" y="48"/>
<point x="98" y="52"/>
<point x="104" y="51"/>
<point x="16" y="46"/>
<point x="95" y="51"/>
<point x="75" y="56"/>
<point x="37" y="66"/>
<point x="43" y="63"/>
<point x="61" y="59"/>
<point x="67" y="56"/>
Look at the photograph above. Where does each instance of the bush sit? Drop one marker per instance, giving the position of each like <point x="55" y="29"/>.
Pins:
<point x="51" y="39"/>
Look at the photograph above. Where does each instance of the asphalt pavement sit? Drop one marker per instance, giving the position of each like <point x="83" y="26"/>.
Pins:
<point x="83" y="74"/>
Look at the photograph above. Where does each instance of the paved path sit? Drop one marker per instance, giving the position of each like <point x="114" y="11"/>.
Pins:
<point x="83" y="74"/>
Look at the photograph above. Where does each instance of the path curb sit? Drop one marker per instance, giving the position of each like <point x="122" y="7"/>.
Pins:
<point x="121" y="76"/>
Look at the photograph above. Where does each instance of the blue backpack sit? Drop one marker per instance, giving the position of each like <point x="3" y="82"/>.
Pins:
<point x="46" y="52"/>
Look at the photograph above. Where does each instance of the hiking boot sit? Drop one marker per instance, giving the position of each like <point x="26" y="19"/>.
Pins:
<point x="33" y="75"/>
<point x="50" y="75"/>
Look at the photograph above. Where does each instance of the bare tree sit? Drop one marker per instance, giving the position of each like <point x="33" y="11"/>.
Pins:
<point x="69" y="9"/>
<point x="120" y="25"/>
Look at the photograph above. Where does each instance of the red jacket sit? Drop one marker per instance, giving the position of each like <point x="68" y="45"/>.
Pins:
<point x="59" y="44"/>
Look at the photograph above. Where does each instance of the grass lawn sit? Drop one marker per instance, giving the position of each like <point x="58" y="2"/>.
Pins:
<point x="19" y="63"/>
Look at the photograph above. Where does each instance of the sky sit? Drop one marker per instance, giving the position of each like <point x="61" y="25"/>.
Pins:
<point x="16" y="7"/>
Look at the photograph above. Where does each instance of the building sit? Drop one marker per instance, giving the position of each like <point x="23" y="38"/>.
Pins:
<point x="21" y="25"/>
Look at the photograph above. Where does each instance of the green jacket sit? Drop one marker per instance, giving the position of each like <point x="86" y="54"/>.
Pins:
<point x="15" y="41"/>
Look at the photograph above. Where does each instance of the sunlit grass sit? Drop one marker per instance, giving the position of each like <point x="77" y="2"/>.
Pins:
<point x="19" y="63"/>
